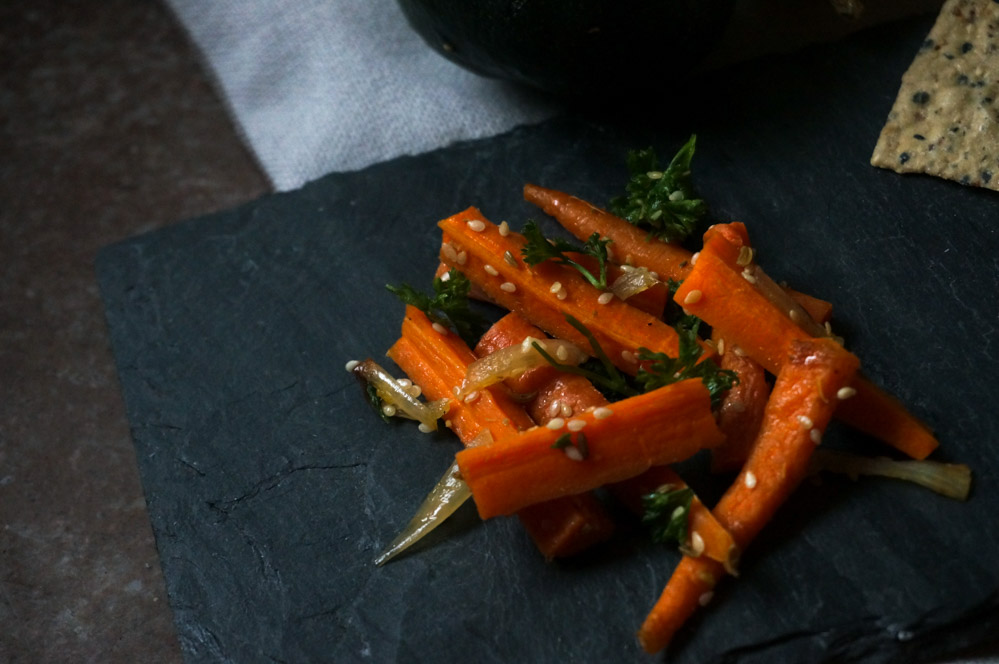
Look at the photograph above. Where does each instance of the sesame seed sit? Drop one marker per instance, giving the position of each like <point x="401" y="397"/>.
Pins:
<point x="555" y="423"/>
<point x="721" y="346"/>
<point x="628" y="356"/>
<point x="477" y="225"/>
<point x="562" y="294"/>
<point x="845" y="393"/>
<point x="573" y="452"/>
<point x="602" y="413"/>
<point x="705" y="598"/>
<point x="424" y="428"/>
<point x="696" y="543"/>
<point x="795" y="315"/>
<point x="456" y="390"/>
<point x="388" y="410"/>
<point x="508" y="287"/>
<point x="605" y="298"/>
<point x="440" y="329"/>
<point x="815" y="435"/>
<point x="575" y="425"/>
<point x="529" y="342"/>
<point x="462" y="258"/>
<point x="350" y="366"/>
<point x="404" y="383"/>
<point x="676" y="195"/>
<point x="555" y="287"/>
<point x="748" y="275"/>
<point x="565" y="410"/>
<point x="750" y="479"/>
<point x="554" y="408"/>
<point x="805" y="421"/>
<point x="471" y="396"/>
<point x="693" y="297"/>
<point x="510" y="259"/>
<point x="562" y="353"/>
<point x="745" y="256"/>
<point x="654" y="175"/>
<point x="491" y="271"/>
<point x="504" y="229"/>
<point x="693" y="259"/>
<point x="447" y="423"/>
<point x="450" y="253"/>
<point x="446" y="276"/>
<point x="415" y="390"/>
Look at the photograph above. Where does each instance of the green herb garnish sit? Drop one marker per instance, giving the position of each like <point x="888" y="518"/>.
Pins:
<point x="605" y="375"/>
<point x="663" y="202"/>
<point x="376" y="401"/>
<point x="539" y="248"/>
<point x="449" y="305"/>
<point x="664" y="370"/>
<point x="666" y="512"/>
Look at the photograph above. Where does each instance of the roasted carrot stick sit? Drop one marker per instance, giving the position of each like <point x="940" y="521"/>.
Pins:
<point x="623" y="440"/>
<point x="797" y="414"/>
<point x="546" y="292"/>
<point x="746" y="319"/>
<point x="629" y="244"/>
<point x="437" y="362"/>
<point x="741" y="412"/>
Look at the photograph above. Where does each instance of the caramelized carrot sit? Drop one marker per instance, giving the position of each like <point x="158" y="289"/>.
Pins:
<point x="627" y="438"/>
<point x="741" y="412"/>
<point x="629" y="244"/>
<point x="796" y="416"/>
<point x="745" y="318"/>
<point x="492" y="261"/>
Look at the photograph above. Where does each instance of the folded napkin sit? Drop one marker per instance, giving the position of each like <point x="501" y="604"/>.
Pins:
<point x="335" y="85"/>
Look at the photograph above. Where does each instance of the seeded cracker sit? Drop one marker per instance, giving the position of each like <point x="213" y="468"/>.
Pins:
<point x="945" y="120"/>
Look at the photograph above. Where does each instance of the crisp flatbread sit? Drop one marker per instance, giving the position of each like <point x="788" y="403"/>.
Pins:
<point x="945" y="120"/>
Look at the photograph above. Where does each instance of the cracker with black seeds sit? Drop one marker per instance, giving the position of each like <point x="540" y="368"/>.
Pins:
<point x="945" y="120"/>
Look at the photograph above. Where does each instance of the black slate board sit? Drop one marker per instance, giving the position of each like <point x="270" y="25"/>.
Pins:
<point x="271" y="486"/>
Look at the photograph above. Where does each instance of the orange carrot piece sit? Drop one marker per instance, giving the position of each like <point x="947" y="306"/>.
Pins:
<point x="741" y="412"/>
<point x="629" y="244"/>
<point x="819" y="310"/>
<point x="796" y="416"/>
<point x="715" y="542"/>
<point x="745" y="318"/>
<point x="620" y="328"/>
<point x="659" y="427"/>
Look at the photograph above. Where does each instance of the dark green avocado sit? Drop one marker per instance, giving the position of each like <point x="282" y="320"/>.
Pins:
<point x="573" y="47"/>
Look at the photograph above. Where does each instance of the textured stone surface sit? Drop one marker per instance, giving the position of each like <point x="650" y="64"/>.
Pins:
<point x="107" y="128"/>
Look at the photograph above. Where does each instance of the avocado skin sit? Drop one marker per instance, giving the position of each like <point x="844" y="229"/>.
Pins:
<point x="573" y="47"/>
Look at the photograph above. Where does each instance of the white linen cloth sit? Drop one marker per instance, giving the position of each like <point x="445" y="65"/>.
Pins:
<point x="317" y="86"/>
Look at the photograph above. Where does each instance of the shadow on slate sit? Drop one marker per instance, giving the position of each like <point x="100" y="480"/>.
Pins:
<point x="271" y="486"/>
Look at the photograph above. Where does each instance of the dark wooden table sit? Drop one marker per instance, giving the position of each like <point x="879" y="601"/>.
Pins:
<point x="109" y="127"/>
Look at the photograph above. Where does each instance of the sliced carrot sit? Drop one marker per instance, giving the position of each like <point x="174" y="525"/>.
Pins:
<point x="663" y="426"/>
<point x="629" y="244"/>
<point x="746" y="319"/>
<point x="740" y="414"/>
<point x="796" y="416"/>
<point x="492" y="261"/>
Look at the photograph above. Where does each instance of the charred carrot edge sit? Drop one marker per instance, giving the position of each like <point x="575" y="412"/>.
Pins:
<point x="627" y="438"/>
<point x="564" y="526"/>
<point x="493" y="261"/>
<point x="740" y="414"/>
<point x="796" y="416"/>
<point x="707" y="537"/>
<point x="744" y="318"/>
<point x="437" y="362"/>
<point x="629" y="244"/>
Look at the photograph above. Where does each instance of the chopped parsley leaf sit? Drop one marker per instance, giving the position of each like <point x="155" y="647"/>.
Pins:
<point x="449" y="305"/>
<point x="666" y="513"/>
<point x="539" y="248"/>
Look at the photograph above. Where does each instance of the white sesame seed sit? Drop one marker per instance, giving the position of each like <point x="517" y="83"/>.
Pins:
<point x="696" y="543"/>
<point x="602" y="413"/>
<point x="462" y="258"/>
<point x="562" y="353"/>
<point x="504" y="229"/>
<point x="654" y="175"/>
<point x="565" y="410"/>
<point x="562" y="294"/>
<point x="424" y="428"/>
<point x="693" y="259"/>
<point x="471" y="396"/>
<point x="573" y="452"/>
<point x="805" y="421"/>
<point x="554" y="408"/>
<point x="491" y="271"/>
<point x="555" y="423"/>
<point x="605" y="298"/>
<point x="795" y="315"/>
<point x="845" y="393"/>
<point x="693" y="297"/>
<point x="555" y="287"/>
<point x="575" y="425"/>
<point x="388" y="410"/>
<point x="705" y="598"/>
<point x="446" y="276"/>
<point x="510" y="259"/>
<point x="628" y="356"/>
<point x="748" y="275"/>
<point x="721" y="346"/>
<point x="745" y="256"/>
<point x="456" y="390"/>
<point x="350" y="366"/>
<point x="404" y="383"/>
<point x="676" y="195"/>
<point x="450" y="253"/>
<point x="477" y="225"/>
<point x="508" y="287"/>
<point x="750" y="479"/>
<point x="447" y="423"/>
<point x="438" y="328"/>
<point x="414" y="391"/>
<point x="815" y="435"/>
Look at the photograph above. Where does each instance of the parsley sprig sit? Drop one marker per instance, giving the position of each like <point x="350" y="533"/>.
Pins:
<point x="604" y="374"/>
<point x="540" y="248"/>
<point x="448" y="306"/>
<point x="666" y="512"/>
<point x="661" y="201"/>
